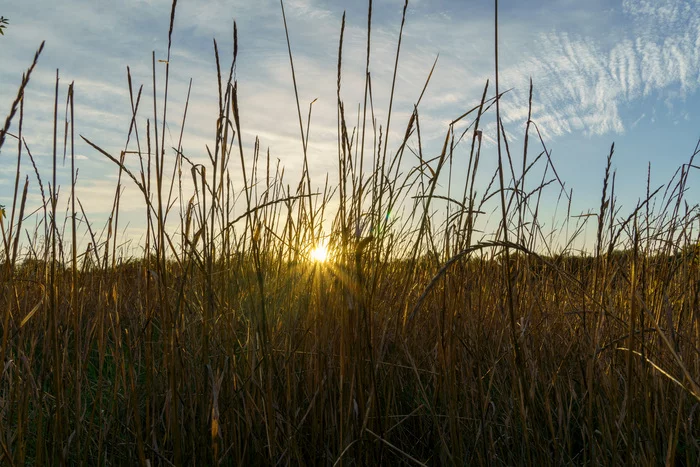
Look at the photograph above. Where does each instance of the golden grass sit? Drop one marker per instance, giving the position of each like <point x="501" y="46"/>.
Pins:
<point x="416" y="343"/>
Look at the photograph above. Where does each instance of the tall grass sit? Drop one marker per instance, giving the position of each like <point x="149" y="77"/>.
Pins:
<point x="422" y="341"/>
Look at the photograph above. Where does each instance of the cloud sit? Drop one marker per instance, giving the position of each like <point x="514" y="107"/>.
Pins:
<point x="585" y="71"/>
<point x="583" y="85"/>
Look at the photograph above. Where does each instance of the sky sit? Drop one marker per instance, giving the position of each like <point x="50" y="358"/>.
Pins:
<point x="604" y="71"/>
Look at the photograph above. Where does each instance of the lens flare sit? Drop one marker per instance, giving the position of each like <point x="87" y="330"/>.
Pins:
<point x="319" y="254"/>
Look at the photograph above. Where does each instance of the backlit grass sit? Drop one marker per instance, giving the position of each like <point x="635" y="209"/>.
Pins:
<point x="271" y="322"/>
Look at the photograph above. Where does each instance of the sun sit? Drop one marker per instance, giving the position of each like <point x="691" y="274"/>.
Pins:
<point x="320" y="254"/>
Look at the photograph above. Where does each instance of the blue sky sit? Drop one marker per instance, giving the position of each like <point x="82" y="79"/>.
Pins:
<point x="604" y="71"/>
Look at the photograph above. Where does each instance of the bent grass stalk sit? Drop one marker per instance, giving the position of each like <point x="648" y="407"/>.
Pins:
<point x="422" y="339"/>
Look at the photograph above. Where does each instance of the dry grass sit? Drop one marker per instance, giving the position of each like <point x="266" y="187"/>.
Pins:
<point x="419" y="343"/>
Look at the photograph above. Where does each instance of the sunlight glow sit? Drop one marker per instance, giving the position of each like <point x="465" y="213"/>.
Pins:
<point x="319" y="254"/>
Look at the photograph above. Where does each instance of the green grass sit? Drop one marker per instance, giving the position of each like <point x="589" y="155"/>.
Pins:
<point x="420" y="342"/>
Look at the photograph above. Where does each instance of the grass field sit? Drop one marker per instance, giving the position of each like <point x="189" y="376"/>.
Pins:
<point x="418" y="340"/>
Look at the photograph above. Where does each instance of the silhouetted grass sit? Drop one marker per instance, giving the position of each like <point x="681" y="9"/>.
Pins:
<point x="422" y="341"/>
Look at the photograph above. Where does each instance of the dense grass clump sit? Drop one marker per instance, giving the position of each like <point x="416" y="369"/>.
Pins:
<point x="419" y="341"/>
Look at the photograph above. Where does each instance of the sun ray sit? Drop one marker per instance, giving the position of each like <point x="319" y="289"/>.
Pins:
<point x="319" y="254"/>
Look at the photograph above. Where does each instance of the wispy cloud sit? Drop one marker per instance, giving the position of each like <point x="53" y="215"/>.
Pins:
<point x="586" y="73"/>
<point x="583" y="85"/>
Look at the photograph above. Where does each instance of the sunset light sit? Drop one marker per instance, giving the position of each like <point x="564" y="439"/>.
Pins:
<point x="319" y="254"/>
<point x="324" y="232"/>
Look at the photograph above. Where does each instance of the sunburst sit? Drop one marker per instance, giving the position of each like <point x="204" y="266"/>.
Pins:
<point x="319" y="254"/>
